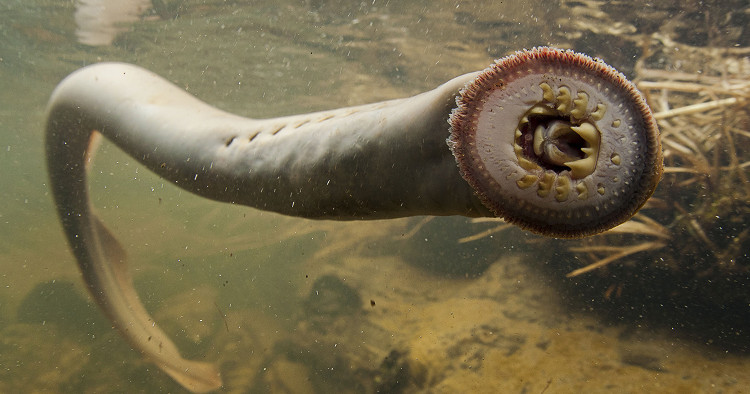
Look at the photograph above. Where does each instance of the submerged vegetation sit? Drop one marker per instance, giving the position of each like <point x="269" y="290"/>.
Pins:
<point x="684" y="259"/>
<point x="698" y="218"/>
<point x="692" y="240"/>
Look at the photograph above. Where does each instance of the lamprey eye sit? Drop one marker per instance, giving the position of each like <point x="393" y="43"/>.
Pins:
<point x="556" y="142"/>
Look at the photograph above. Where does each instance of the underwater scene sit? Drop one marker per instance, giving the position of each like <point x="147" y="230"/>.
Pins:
<point x="439" y="304"/>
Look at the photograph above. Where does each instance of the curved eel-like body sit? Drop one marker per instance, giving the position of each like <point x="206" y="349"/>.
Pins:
<point x="559" y="126"/>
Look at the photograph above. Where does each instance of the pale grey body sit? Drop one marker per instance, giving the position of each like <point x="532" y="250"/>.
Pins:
<point x="381" y="160"/>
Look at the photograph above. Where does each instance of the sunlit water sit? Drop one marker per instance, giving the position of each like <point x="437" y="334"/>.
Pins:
<point x="289" y="305"/>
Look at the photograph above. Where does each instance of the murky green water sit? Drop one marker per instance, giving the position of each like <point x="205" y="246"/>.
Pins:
<point x="233" y="285"/>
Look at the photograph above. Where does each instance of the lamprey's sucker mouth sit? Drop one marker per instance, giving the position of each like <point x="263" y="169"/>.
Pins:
<point x="553" y="141"/>
<point x="557" y="143"/>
